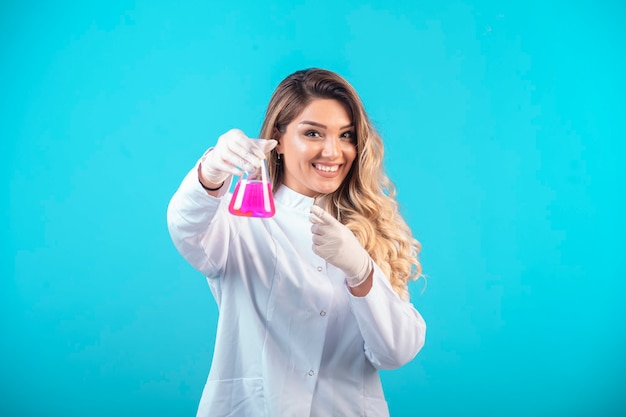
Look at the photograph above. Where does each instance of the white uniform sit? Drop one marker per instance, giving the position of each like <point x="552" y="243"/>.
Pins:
<point x="291" y="339"/>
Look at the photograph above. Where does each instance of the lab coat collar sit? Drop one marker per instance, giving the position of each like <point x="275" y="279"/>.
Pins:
<point x="290" y="198"/>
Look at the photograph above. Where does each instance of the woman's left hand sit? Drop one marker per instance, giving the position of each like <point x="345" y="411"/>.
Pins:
<point x="337" y="244"/>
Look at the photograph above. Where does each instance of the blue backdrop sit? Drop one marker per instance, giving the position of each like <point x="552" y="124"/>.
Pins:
<point x="504" y="130"/>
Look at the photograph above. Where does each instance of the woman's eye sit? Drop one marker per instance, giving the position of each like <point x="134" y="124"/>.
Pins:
<point x="347" y="135"/>
<point x="312" y="134"/>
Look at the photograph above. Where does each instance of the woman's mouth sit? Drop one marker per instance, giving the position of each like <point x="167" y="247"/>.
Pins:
<point x="326" y="168"/>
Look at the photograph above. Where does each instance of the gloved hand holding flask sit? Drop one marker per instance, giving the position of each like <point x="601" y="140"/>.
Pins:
<point x="233" y="154"/>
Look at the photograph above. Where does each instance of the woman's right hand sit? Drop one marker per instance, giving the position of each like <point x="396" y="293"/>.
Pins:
<point x="233" y="153"/>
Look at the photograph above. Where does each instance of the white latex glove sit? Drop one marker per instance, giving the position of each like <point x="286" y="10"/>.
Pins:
<point x="337" y="245"/>
<point x="233" y="154"/>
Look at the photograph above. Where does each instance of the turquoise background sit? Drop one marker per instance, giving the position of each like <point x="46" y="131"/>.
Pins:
<point x="504" y="130"/>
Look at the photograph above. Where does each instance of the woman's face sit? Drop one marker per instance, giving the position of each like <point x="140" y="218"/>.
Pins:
<point x="318" y="148"/>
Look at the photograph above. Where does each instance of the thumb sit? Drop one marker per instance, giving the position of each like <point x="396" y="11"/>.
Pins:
<point x="271" y="144"/>
<point x="267" y="145"/>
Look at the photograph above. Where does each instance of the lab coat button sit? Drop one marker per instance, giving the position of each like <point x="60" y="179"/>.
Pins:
<point x="322" y="313"/>
<point x="319" y="269"/>
<point x="311" y="372"/>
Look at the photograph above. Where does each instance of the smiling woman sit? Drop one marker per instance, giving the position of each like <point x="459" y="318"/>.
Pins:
<point x="314" y="298"/>
<point x="318" y="148"/>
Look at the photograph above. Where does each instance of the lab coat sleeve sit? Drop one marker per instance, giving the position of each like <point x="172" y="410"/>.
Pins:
<point x="202" y="241"/>
<point x="392" y="329"/>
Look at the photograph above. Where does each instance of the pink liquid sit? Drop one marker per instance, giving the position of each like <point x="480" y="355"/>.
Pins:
<point x="252" y="204"/>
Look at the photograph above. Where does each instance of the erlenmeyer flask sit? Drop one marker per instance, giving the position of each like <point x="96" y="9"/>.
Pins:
<point x="253" y="195"/>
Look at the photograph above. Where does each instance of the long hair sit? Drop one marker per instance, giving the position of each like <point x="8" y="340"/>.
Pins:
<point x="365" y="201"/>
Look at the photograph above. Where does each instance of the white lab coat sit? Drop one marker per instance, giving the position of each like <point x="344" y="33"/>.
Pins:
<point x="291" y="339"/>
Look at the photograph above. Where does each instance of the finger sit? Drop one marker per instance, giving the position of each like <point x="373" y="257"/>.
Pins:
<point x="323" y="216"/>
<point x="319" y="213"/>
<point x="224" y="166"/>
<point x="241" y="156"/>
<point x="232" y="136"/>
<point x="239" y="150"/>
<point x="213" y="162"/>
<point x="318" y="229"/>
<point x="256" y="152"/>
<point x="315" y="219"/>
<point x="317" y="240"/>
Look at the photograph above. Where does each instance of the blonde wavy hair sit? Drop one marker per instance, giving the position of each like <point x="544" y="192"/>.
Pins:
<point x="365" y="202"/>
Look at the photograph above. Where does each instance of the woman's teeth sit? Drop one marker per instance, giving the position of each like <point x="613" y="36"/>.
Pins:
<point x="326" y="168"/>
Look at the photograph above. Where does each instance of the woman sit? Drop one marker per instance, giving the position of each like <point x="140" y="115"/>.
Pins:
<point x="313" y="301"/>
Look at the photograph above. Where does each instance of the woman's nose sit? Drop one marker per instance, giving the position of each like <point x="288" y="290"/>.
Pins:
<point x="331" y="148"/>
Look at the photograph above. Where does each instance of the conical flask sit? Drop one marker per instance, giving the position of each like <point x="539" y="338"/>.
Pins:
<point x="252" y="196"/>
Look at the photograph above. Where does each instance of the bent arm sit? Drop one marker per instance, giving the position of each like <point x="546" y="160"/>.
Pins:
<point x="393" y="330"/>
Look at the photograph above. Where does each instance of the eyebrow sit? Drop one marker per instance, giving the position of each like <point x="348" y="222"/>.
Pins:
<point x="308" y="122"/>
